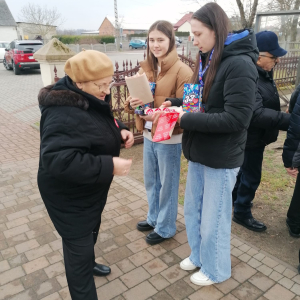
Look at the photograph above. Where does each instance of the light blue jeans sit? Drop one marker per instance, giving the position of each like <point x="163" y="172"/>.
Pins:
<point x="161" y="177"/>
<point x="207" y="213"/>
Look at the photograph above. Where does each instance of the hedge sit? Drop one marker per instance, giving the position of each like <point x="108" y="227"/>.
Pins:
<point x="183" y="33"/>
<point x="137" y="35"/>
<point x="85" y="39"/>
<point x="177" y="33"/>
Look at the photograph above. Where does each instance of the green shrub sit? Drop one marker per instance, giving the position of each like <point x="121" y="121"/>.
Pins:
<point x="137" y="35"/>
<point x="107" y="39"/>
<point x="85" y="39"/>
<point x="183" y="33"/>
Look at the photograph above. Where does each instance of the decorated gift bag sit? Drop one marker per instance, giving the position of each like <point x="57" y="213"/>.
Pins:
<point x="166" y="123"/>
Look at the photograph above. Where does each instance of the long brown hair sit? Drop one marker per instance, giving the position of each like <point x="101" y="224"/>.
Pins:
<point x="167" y="29"/>
<point x="214" y="18"/>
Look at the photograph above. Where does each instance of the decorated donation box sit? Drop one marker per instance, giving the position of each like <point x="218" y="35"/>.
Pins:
<point x="192" y="100"/>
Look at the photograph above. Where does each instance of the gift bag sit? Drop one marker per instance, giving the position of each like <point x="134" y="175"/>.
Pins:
<point x="166" y="123"/>
<point x="192" y="100"/>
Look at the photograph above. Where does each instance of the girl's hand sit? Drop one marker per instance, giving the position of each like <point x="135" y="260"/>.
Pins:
<point x="149" y="118"/>
<point x="157" y="116"/>
<point x="135" y="102"/>
<point x="181" y="113"/>
<point x="166" y="104"/>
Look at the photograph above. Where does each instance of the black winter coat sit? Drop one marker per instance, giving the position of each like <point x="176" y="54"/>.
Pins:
<point x="291" y="148"/>
<point x="217" y="137"/>
<point x="79" y="138"/>
<point x="293" y="99"/>
<point x="267" y="117"/>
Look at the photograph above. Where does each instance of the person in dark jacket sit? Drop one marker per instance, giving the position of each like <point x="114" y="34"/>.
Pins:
<point x="80" y="145"/>
<point x="266" y="121"/>
<point x="291" y="160"/>
<point x="293" y="99"/>
<point x="214" y="141"/>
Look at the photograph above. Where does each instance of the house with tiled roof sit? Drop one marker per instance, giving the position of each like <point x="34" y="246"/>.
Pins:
<point x="184" y="25"/>
<point x="107" y="28"/>
<point x="8" y="26"/>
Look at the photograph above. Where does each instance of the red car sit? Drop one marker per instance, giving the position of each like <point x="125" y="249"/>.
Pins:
<point x="19" y="55"/>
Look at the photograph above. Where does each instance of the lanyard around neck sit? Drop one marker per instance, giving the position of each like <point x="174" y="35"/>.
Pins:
<point x="201" y="73"/>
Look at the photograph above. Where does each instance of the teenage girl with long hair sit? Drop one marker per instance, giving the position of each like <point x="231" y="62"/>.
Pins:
<point x="214" y="141"/>
<point x="162" y="159"/>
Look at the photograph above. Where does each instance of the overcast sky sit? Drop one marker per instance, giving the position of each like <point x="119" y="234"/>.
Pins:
<point x="89" y="14"/>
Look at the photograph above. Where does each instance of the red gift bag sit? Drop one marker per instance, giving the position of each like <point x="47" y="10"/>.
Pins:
<point x="166" y="123"/>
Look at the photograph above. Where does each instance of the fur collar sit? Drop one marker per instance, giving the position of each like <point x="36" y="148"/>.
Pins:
<point x="49" y="97"/>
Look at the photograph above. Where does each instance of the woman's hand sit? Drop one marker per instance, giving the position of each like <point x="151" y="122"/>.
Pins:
<point x="181" y="113"/>
<point x="121" y="166"/>
<point x="166" y="104"/>
<point x="135" y="102"/>
<point x="127" y="137"/>
<point x="149" y="118"/>
<point x="292" y="172"/>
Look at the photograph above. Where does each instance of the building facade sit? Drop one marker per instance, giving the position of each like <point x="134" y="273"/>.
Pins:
<point x="8" y="26"/>
<point x="30" y="31"/>
<point x="107" y="28"/>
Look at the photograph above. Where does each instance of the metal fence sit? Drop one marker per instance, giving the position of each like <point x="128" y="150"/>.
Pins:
<point x="120" y="93"/>
<point x="286" y="74"/>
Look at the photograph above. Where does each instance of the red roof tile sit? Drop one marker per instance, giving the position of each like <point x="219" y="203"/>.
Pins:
<point x="184" y="19"/>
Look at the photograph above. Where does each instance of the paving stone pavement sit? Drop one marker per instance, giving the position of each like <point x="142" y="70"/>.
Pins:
<point x="31" y="258"/>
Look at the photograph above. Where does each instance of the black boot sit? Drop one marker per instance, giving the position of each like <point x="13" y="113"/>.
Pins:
<point x="101" y="270"/>
<point x="294" y="227"/>
<point x="250" y="224"/>
<point x="153" y="238"/>
<point x="143" y="226"/>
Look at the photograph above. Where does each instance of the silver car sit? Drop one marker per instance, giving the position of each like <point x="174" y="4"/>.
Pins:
<point x="3" y="45"/>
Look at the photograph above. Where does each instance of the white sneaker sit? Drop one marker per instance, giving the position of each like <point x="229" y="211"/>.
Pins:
<point x="200" y="279"/>
<point x="187" y="265"/>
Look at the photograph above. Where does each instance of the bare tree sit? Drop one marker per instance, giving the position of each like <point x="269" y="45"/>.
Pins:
<point x="287" y="25"/>
<point x="43" y="18"/>
<point x="247" y="10"/>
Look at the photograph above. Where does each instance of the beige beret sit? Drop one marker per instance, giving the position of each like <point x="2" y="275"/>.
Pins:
<point x="89" y="65"/>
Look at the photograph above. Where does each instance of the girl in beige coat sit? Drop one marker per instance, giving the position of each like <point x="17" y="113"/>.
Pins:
<point x="161" y="159"/>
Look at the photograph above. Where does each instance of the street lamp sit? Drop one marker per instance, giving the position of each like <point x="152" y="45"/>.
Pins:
<point x="117" y="30"/>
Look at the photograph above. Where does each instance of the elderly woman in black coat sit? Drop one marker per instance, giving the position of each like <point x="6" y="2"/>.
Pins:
<point x="79" y="155"/>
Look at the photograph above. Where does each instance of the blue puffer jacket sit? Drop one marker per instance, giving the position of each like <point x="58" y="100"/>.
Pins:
<point x="291" y="148"/>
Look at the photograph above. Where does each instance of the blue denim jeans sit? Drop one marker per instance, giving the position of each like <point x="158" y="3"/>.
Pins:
<point x="207" y="213"/>
<point x="161" y="177"/>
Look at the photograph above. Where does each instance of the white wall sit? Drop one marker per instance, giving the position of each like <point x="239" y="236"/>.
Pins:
<point x="8" y="33"/>
<point x="185" y="27"/>
<point x="31" y="31"/>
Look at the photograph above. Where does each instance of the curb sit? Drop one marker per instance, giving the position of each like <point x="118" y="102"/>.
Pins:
<point x="35" y="127"/>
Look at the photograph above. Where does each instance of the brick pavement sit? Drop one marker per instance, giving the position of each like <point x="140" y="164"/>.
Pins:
<point x="31" y="261"/>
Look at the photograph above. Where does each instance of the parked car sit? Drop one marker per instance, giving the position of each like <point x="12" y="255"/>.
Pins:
<point x="3" y="46"/>
<point x="19" y="55"/>
<point x="137" y="44"/>
<point x="177" y="39"/>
